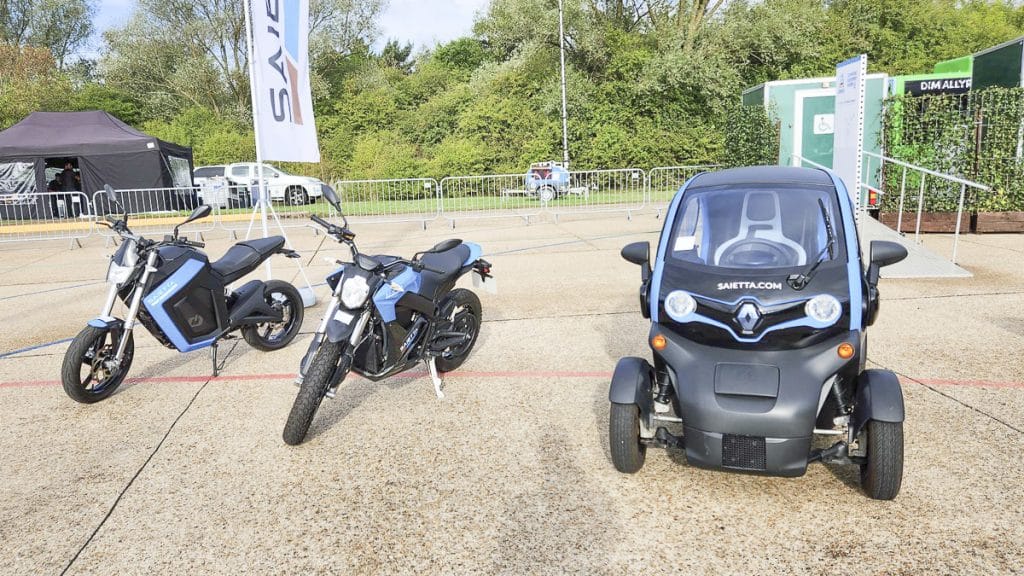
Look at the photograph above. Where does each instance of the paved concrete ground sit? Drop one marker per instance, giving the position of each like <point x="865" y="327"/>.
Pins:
<point x="178" y="473"/>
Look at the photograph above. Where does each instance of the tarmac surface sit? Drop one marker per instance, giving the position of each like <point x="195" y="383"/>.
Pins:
<point x="182" y="473"/>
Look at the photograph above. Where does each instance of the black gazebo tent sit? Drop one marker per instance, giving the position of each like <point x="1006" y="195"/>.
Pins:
<point x="105" y="149"/>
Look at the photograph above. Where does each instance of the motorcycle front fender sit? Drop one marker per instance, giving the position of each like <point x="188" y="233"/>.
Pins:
<point x="347" y="325"/>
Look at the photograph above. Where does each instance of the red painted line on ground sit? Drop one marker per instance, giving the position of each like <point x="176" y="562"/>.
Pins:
<point x="528" y="374"/>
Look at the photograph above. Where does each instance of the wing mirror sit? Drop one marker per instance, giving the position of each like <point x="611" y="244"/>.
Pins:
<point x="883" y="254"/>
<point x="112" y="200"/>
<point x="200" y="212"/>
<point x="638" y="253"/>
<point x="332" y="197"/>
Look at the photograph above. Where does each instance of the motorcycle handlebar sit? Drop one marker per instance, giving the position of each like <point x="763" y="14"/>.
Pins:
<point x="321" y="221"/>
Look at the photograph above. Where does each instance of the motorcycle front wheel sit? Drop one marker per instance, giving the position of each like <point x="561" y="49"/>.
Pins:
<point x="311" y="393"/>
<point x="85" y="374"/>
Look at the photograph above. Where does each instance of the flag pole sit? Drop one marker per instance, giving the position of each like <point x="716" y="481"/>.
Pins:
<point x="565" y="106"/>
<point x="256" y="125"/>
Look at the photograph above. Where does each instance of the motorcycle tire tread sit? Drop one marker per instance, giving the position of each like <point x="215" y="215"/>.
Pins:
<point x="70" y="370"/>
<point x="311" y="393"/>
<point x="469" y="299"/>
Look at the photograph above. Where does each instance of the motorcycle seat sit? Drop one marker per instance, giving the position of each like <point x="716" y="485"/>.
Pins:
<point x="449" y="261"/>
<point x="245" y="257"/>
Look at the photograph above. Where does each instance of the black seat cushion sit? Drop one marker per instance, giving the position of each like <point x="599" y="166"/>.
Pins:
<point x="244" y="257"/>
<point x="450" y="262"/>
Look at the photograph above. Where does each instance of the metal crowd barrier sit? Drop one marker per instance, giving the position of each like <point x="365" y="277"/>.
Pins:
<point x="663" y="182"/>
<point x="381" y="201"/>
<point x="156" y="210"/>
<point x="601" y="191"/>
<point x="60" y="215"/>
<point x="46" y="216"/>
<point x="495" y="196"/>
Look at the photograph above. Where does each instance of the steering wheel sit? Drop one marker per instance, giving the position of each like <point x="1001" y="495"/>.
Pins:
<point x="754" y="253"/>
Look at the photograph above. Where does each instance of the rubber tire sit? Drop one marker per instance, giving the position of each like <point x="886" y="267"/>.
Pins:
<point x="303" y="198"/>
<point x="628" y="454"/>
<point x="549" y="191"/>
<point x="882" y="475"/>
<point x="251" y="333"/>
<point x="70" y="372"/>
<point x="470" y="300"/>
<point x="311" y="393"/>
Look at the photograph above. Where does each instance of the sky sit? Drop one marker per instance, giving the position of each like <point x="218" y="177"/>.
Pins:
<point x="422" y="22"/>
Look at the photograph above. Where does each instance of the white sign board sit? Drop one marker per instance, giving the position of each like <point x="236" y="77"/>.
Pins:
<point x="824" y="124"/>
<point x="848" y="151"/>
<point x="282" y="101"/>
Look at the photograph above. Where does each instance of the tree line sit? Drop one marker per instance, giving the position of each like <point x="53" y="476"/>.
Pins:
<point x="650" y="82"/>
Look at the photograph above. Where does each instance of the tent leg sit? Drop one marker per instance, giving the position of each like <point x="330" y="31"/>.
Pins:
<point x="75" y="242"/>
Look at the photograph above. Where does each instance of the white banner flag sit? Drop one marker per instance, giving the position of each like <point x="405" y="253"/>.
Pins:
<point x="282" y="102"/>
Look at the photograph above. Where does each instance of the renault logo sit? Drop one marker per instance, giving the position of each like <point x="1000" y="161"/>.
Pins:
<point x="748" y="317"/>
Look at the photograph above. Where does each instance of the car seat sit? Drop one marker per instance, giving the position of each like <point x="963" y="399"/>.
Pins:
<point x="762" y="218"/>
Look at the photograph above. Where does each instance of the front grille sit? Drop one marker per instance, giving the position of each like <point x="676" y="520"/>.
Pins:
<point x="743" y="452"/>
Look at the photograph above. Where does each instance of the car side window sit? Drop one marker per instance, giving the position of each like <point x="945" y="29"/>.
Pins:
<point x="240" y="171"/>
<point x="689" y="237"/>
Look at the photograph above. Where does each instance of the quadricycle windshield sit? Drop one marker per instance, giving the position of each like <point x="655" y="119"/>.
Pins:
<point x="769" y="228"/>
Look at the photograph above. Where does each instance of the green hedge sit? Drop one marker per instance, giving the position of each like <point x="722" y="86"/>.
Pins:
<point x="978" y="136"/>
<point x="751" y="136"/>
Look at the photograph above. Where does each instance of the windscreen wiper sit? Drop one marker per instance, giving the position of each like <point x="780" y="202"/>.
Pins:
<point x="801" y="280"/>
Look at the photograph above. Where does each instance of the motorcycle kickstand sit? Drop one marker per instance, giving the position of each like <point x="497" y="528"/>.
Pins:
<point x="435" y="377"/>
<point x="213" y="357"/>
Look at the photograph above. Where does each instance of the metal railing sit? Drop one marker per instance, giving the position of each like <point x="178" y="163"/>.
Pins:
<point x="156" y="210"/>
<point x="493" y="196"/>
<point x="919" y="177"/>
<point x="46" y="216"/>
<point x="398" y="200"/>
<point x="663" y="182"/>
<point x="590" y="191"/>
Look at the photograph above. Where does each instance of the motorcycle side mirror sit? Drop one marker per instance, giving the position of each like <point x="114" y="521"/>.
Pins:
<point x="200" y="212"/>
<point x="883" y="254"/>
<point x="444" y="246"/>
<point x="332" y="197"/>
<point x="112" y="198"/>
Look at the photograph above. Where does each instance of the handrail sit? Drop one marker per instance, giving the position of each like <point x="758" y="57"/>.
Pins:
<point x="949" y="177"/>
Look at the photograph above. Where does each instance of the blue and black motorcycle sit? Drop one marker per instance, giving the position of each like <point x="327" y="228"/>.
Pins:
<point x="183" y="299"/>
<point x="385" y="315"/>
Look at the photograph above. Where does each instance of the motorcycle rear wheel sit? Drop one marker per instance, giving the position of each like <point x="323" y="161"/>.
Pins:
<point x="466" y="317"/>
<point x="311" y="393"/>
<point x="90" y="348"/>
<point x="272" y="336"/>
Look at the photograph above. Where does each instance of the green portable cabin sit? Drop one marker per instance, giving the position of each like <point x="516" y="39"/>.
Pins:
<point x="805" y="111"/>
<point x="1001" y="66"/>
<point x="962" y="65"/>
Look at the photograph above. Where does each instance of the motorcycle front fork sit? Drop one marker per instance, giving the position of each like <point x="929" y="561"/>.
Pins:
<point x="133" y="309"/>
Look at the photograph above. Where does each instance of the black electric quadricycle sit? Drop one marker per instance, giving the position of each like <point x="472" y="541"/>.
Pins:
<point x="759" y="302"/>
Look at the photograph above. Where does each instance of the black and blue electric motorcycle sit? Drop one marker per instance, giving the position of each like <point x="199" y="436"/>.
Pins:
<point x="183" y="299"/>
<point x="385" y="315"/>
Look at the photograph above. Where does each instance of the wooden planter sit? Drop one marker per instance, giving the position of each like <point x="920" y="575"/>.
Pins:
<point x="999" y="222"/>
<point x="932" y="222"/>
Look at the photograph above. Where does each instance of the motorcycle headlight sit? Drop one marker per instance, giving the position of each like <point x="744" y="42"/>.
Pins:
<point x="680" y="305"/>
<point x="354" y="292"/>
<point x="117" y="274"/>
<point x="824" y="309"/>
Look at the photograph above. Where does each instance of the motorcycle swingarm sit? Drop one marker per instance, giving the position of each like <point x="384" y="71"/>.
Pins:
<point x="251" y="307"/>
